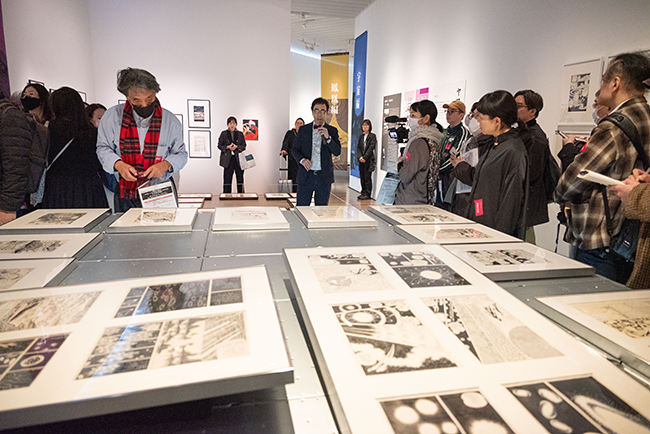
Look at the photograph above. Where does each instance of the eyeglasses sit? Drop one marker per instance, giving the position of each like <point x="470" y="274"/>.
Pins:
<point x="319" y="111"/>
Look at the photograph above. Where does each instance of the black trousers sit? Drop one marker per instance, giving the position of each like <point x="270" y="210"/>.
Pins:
<point x="233" y="167"/>
<point x="366" y="178"/>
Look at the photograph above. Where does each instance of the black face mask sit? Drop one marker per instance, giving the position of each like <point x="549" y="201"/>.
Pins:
<point x="30" y="103"/>
<point x="144" y="112"/>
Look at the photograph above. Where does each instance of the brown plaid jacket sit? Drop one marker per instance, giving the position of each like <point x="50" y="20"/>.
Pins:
<point x="611" y="153"/>
<point x="638" y="207"/>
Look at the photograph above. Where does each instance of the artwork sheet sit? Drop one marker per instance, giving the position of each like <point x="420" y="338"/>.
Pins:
<point x="34" y="273"/>
<point x="207" y="196"/>
<point x="416" y="215"/>
<point x="277" y="196"/>
<point x="317" y="217"/>
<point x="518" y="261"/>
<point x="155" y="220"/>
<point x="453" y="234"/>
<point x="56" y="220"/>
<point x="249" y="218"/>
<point x="71" y="345"/>
<point x="191" y="200"/>
<point x="580" y="82"/>
<point x="238" y="196"/>
<point x="623" y="317"/>
<point x="407" y="346"/>
<point x="46" y="246"/>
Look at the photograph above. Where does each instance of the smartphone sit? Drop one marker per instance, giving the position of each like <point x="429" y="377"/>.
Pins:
<point x="561" y="134"/>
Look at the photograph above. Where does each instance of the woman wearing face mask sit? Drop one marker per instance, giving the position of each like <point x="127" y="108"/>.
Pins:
<point x="73" y="180"/>
<point x="500" y="179"/>
<point x="419" y="173"/>
<point x="36" y="102"/>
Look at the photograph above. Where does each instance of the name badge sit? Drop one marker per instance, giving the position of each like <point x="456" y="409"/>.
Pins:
<point x="478" y="207"/>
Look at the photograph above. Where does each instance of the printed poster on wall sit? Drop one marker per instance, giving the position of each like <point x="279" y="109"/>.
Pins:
<point x="359" y="98"/>
<point x="446" y="93"/>
<point x="389" y="146"/>
<point x="334" y="87"/>
<point x="251" y="129"/>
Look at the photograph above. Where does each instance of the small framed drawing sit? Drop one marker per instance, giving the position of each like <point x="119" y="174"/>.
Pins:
<point x="30" y="81"/>
<point x="518" y="261"/>
<point x="250" y="128"/>
<point x="580" y="82"/>
<point x="198" y="113"/>
<point x="200" y="144"/>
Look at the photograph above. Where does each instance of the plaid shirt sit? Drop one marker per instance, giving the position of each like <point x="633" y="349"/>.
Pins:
<point x="611" y="153"/>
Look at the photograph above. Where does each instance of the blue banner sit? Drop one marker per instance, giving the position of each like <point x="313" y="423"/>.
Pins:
<point x="358" y="98"/>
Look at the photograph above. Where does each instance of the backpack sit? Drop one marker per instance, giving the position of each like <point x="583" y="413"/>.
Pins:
<point x="551" y="176"/>
<point x="40" y="147"/>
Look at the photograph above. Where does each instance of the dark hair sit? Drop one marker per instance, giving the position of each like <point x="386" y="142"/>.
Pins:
<point x="68" y="107"/>
<point x="501" y="104"/>
<point x="367" y="122"/>
<point x="44" y="96"/>
<point x="90" y="110"/>
<point x="532" y="99"/>
<point x="474" y="106"/>
<point x="130" y="78"/>
<point x="320" y="100"/>
<point x="426" y="107"/>
<point x="632" y="68"/>
<point x="231" y="118"/>
<point x="300" y="119"/>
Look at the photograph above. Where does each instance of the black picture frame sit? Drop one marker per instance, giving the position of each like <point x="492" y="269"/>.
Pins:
<point x="198" y="113"/>
<point x="193" y="146"/>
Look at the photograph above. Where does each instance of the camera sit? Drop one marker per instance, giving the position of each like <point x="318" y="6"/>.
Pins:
<point x="399" y="132"/>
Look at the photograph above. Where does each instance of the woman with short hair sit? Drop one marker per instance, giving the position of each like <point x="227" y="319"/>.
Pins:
<point x="231" y="143"/>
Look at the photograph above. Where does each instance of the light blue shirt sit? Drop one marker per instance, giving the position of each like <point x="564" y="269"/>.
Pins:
<point x="170" y="146"/>
<point x="316" y="142"/>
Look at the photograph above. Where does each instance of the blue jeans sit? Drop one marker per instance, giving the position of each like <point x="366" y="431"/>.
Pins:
<point x="316" y="185"/>
<point x="607" y="263"/>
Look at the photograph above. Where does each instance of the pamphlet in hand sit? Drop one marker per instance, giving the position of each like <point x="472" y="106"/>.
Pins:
<point x="158" y="196"/>
<point x="588" y="175"/>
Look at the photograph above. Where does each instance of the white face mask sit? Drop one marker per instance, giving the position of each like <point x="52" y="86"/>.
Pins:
<point x="595" y="116"/>
<point x="474" y="127"/>
<point x="413" y="123"/>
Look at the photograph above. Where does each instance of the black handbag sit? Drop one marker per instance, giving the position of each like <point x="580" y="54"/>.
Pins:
<point x="625" y="242"/>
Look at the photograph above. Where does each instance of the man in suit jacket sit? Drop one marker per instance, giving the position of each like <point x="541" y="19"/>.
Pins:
<point x="313" y="148"/>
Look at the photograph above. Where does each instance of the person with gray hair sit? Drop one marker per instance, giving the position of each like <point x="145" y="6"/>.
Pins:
<point x="139" y="140"/>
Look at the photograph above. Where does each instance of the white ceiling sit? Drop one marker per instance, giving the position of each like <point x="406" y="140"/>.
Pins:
<point x="324" y="26"/>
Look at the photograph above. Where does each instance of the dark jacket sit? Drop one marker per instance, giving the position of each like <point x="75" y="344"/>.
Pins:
<point x="538" y="151"/>
<point x="369" y="153"/>
<point x="302" y="149"/>
<point x="15" y="151"/>
<point x="225" y="139"/>
<point x="287" y="146"/>
<point x="499" y="185"/>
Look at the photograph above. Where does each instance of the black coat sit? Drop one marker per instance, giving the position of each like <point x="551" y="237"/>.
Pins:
<point x="224" y="140"/>
<point x="499" y="185"/>
<point x="287" y="146"/>
<point x="369" y="153"/>
<point x="15" y="162"/>
<point x="538" y="151"/>
<point x="302" y="149"/>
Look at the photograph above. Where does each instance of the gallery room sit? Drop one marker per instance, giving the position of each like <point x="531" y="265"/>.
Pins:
<point x="247" y="313"/>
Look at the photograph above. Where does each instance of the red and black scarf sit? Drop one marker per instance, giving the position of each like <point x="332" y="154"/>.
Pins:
<point x="130" y="147"/>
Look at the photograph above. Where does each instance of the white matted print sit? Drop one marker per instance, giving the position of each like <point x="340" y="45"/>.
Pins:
<point x="198" y="113"/>
<point x="453" y="234"/>
<point x="155" y="220"/>
<point x="238" y="196"/>
<point x="277" y="196"/>
<point x="56" y="220"/>
<point x="319" y="217"/>
<point x="208" y="333"/>
<point x="44" y="246"/>
<point x="518" y="261"/>
<point x="200" y="145"/>
<point x="580" y="82"/>
<point x="415" y="214"/>
<point x="249" y="218"/>
<point x="396" y="355"/>
<point x="35" y="273"/>
<point x="622" y="317"/>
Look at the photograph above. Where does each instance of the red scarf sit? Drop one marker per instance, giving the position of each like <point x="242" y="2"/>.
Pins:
<point x="130" y="147"/>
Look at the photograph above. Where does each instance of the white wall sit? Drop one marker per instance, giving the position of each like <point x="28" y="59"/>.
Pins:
<point x="233" y="52"/>
<point x="305" y="86"/>
<point x="509" y="44"/>
<point x="48" y="41"/>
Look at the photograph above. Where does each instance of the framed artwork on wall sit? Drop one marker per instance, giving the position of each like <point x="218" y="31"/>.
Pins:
<point x="200" y="145"/>
<point x="198" y="113"/>
<point x="83" y="96"/>
<point x="580" y="82"/>
<point x="30" y="81"/>
<point x="250" y="127"/>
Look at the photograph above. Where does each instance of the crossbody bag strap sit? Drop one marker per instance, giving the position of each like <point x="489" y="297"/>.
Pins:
<point x="59" y="154"/>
